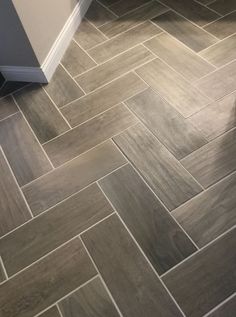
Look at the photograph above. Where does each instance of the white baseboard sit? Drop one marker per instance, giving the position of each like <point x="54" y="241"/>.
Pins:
<point x="43" y="73"/>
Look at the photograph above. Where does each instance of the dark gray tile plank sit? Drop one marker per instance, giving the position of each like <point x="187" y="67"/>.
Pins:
<point x="102" y="99"/>
<point x="13" y="208"/>
<point x="40" y="112"/>
<point x="2" y="80"/>
<point x="39" y="286"/>
<point x="23" y="152"/>
<point x="89" y="134"/>
<point x="169" y="180"/>
<point x="108" y="2"/>
<point x="139" y="291"/>
<point x="124" y="6"/>
<point x="206" y="279"/>
<point x="223" y="27"/>
<point x="52" y="312"/>
<point x="228" y="309"/>
<point x="214" y="161"/>
<point x="91" y="300"/>
<point x="99" y="15"/>
<point x="223" y="6"/>
<point x="7" y="107"/>
<point x="53" y="228"/>
<point x="175" y="132"/>
<point x="185" y="31"/>
<point x="161" y="239"/>
<point x="115" y="67"/>
<point x="2" y="274"/>
<point x="72" y="177"/>
<point x="10" y="87"/>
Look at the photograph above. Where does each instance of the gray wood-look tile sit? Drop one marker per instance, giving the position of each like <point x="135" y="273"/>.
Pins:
<point x="40" y="112"/>
<point x="228" y="309"/>
<point x="161" y="239"/>
<point x="132" y="19"/>
<point x="217" y="118"/>
<point x="223" y="6"/>
<point x="88" y="36"/>
<point x="13" y="208"/>
<point x="139" y="291"/>
<point x="214" y="161"/>
<point x="7" y="107"/>
<point x="179" y="57"/>
<point x="102" y="99"/>
<point x="99" y="15"/>
<point x="11" y="86"/>
<point x="76" y="60"/>
<point x="169" y="180"/>
<point x="173" y="87"/>
<point x="92" y="300"/>
<point x="23" y="152"/>
<point x="223" y="27"/>
<point x="52" y="312"/>
<point x="210" y="214"/>
<point x="185" y="31"/>
<point x="40" y="286"/>
<point x="124" y="41"/>
<point x="89" y="134"/>
<point x="175" y="132"/>
<point x="66" y="180"/>
<point x="2" y="274"/>
<point x="206" y="279"/>
<point x="53" y="228"/>
<point x="62" y="89"/>
<point x="205" y="1"/>
<point x="124" y="6"/>
<point x="108" y="2"/>
<point x="114" y="68"/>
<point x="219" y="83"/>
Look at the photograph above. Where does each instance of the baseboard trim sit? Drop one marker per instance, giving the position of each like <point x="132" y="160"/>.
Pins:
<point x="44" y="73"/>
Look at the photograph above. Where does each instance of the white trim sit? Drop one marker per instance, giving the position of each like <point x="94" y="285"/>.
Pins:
<point x="43" y="73"/>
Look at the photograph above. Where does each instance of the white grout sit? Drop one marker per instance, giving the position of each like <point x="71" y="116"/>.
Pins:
<point x="96" y="28"/>
<point x="15" y="91"/>
<point x="220" y="305"/>
<point x="59" y="310"/>
<point x="85" y="52"/>
<point x="215" y="44"/>
<point x="10" y="115"/>
<point x="4" y="270"/>
<point x="73" y="81"/>
<point x="210" y="9"/>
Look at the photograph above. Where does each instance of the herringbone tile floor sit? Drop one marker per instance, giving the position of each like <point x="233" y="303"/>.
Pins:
<point x="118" y="179"/>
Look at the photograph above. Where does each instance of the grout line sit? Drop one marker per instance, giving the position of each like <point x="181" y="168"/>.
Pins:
<point x="85" y="52"/>
<point x="4" y="270"/>
<point x="217" y="43"/>
<point x="107" y="8"/>
<point x="13" y="92"/>
<point x="59" y="310"/>
<point x="210" y="9"/>
<point x="10" y="115"/>
<point x="220" y="305"/>
<point x="73" y="81"/>
<point x="96" y="28"/>
<point x="221" y="17"/>
<point x="4" y="81"/>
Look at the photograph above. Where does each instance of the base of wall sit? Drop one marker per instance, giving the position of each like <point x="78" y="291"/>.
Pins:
<point x="44" y="73"/>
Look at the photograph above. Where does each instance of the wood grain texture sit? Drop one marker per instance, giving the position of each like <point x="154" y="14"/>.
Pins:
<point x="223" y="6"/>
<point x="62" y="89"/>
<point x="139" y="292"/>
<point x="40" y="285"/>
<point x="173" y="87"/>
<point x="114" y="68"/>
<point x="206" y="279"/>
<point x="185" y="31"/>
<point x="53" y="228"/>
<point x="179" y="57"/>
<point x="52" y="312"/>
<point x="123" y="42"/>
<point x="89" y="134"/>
<point x="23" y="152"/>
<point x="99" y="15"/>
<point x="124" y="6"/>
<point x="169" y="180"/>
<point x="210" y="214"/>
<point x="72" y="177"/>
<point x="226" y="310"/>
<point x="161" y="239"/>
<point x="7" y="107"/>
<point x="40" y="112"/>
<point x="91" y="300"/>
<point x="223" y="27"/>
<point x="214" y="161"/>
<point x="103" y="99"/>
<point x="13" y="208"/>
<point x="175" y="132"/>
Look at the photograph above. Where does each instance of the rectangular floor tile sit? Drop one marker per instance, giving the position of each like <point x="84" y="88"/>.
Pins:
<point x="124" y="41"/>
<point x="210" y="214"/>
<point x="102" y="99"/>
<point x="77" y="61"/>
<point x="113" y="68"/>
<point x="213" y="85"/>
<point x="147" y="219"/>
<point x="226" y="310"/>
<point x="53" y="228"/>
<point x="217" y="118"/>
<point x="206" y="279"/>
<point x="11" y="86"/>
<point x="223" y="6"/>
<point x="24" y="154"/>
<point x="175" y="132"/>
<point x="2" y="274"/>
<point x="223" y="27"/>
<point x="72" y="177"/>
<point x="173" y="87"/>
<point x="124" y="6"/>
<point x="169" y="180"/>
<point x="141" y="290"/>
<point x="179" y="57"/>
<point x="214" y="161"/>
<point x="108" y="2"/>
<point x="52" y="312"/>
<point x="132" y="19"/>
<point x="185" y="31"/>
<point x="13" y="208"/>
<point x="39" y="286"/>
<point x="7" y="107"/>
<point x="89" y="134"/>
<point x="40" y="112"/>
<point x="92" y="300"/>
<point x="99" y="15"/>
<point x="62" y="88"/>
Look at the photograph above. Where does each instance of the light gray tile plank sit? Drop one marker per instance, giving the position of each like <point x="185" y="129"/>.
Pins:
<point x="99" y="15"/>
<point x="223" y="27"/>
<point x="7" y="107"/>
<point x="124" y="6"/>
<point x="52" y="312"/>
